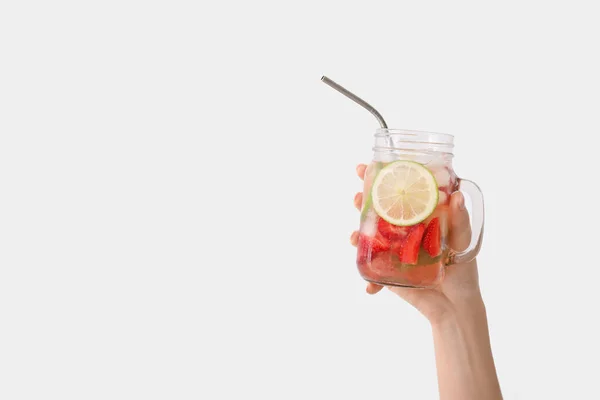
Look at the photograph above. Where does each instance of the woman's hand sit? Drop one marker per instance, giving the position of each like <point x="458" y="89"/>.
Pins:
<point x="460" y="287"/>
<point x="455" y="309"/>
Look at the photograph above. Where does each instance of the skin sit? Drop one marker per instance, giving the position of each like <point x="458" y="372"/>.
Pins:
<point x="456" y="312"/>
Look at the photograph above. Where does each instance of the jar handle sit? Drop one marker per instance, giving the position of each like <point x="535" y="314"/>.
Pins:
<point x="473" y="191"/>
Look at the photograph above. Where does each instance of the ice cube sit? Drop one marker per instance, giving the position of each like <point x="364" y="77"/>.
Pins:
<point x="436" y="163"/>
<point x="442" y="176"/>
<point x="369" y="225"/>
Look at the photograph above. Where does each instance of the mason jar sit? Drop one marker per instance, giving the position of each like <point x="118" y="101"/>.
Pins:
<point x="405" y="214"/>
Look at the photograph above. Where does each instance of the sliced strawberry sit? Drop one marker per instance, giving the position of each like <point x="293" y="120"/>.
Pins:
<point x="392" y="232"/>
<point x="371" y="245"/>
<point x="409" y="251"/>
<point x="431" y="238"/>
<point x="441" y="212"/>
<point x="380" y="243"/>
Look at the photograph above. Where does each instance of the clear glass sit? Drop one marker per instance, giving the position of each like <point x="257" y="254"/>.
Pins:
<point x="415" y="255"/>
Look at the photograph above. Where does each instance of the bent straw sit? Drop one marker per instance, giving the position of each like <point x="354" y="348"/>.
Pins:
<point x="355" y="99"/>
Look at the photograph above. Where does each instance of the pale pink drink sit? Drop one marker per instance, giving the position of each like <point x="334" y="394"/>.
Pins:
<point x="405" y="221"/>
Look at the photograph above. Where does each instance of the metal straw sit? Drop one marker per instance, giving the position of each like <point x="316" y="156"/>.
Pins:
<point x="355" y="99"/>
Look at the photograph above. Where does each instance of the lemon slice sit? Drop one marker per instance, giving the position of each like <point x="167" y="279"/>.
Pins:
<point x="404" y="193"/>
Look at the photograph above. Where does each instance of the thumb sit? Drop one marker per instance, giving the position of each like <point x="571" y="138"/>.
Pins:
<point x="460" y="226"/>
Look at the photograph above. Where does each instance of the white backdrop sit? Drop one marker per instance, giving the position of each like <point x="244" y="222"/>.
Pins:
<point x="176" y="193"/>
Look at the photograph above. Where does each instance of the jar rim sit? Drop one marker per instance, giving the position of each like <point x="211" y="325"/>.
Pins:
<point x="395" y="140"/>
<point x="417" y="135"/>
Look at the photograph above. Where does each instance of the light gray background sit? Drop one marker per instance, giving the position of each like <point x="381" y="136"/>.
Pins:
<point x="176" y="194"/>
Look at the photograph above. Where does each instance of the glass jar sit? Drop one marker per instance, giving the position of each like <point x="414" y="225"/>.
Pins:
<point x="405" y="215"/>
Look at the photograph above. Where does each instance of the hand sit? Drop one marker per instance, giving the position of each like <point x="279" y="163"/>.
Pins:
<point x="460" y="287"/>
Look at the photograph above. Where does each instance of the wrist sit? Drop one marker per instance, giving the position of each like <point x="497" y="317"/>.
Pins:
<point x="464" y="311"/>
<point x="464" y="357"/>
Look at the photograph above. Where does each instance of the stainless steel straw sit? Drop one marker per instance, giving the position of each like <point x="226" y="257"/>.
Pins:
<point x="355" y="99"/>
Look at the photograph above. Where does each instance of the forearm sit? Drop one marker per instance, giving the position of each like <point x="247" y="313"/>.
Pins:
<point x="465" y="365"/>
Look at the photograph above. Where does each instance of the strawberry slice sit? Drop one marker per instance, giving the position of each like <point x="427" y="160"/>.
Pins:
<point x="392" y="232"/>
<point x="371" y="245"/>
<point x="431" y="238"/>
<point x="409" y="252"/>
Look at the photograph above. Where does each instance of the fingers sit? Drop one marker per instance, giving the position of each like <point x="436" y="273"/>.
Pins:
<point x="373" y="288"/>
<point x="354" y="238"/>
<point x="358" y="197"/>
<point x="360" y="170"/>
<point x="460" y="227"/>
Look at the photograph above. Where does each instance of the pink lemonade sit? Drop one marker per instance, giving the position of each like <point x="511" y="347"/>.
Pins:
<point x="405" y="216"/>
<point x="413" y="255"/>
